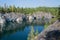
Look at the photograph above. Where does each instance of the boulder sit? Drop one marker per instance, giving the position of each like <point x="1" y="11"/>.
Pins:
<point x="19" y="19"/>
<point x="31" y="18"/>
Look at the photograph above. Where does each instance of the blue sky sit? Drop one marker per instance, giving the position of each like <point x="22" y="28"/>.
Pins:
<point x="31" y="3"/>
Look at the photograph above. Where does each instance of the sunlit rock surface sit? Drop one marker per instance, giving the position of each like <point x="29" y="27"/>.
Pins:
<point x="31" y="18"/>
<point x="2" y="22"/>
<point x="39" y="15"/>
<point x="12" y="17"/>
<point x="18" y="20"/>
<point x="18" y="17"/>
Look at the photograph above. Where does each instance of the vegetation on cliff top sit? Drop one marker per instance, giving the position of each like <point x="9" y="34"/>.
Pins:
<point x="6" y="9"/>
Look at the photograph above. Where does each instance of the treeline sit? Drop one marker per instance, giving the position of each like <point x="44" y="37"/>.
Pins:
<point x="9" y="9"/>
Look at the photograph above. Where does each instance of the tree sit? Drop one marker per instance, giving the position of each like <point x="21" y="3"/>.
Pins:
<point x="36" y="33"/>
<point x="12" y="8"/>
<point x="2" y="11"/>
<point x="18" y="9"/>
<point x="31" y="34"/>
<point x="5" y="8"/>
<point x="58" y="16"/>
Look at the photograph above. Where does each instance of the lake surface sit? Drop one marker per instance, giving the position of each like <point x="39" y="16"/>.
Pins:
<point x="20" y="33"/>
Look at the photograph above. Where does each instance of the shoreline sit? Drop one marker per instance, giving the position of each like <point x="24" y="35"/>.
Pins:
<point x="20" y="18"/>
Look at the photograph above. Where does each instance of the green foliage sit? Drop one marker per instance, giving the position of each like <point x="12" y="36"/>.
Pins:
<point x="12" y="8"/>
<point x="50" y="22"/>
<point x="31" y="34"/>
<point x="36" y="33"/>
<point x="46" y="25"/>
<point x="58" y="14"/>
<point x="43" y="18"/>
<point x="53" y="20"/>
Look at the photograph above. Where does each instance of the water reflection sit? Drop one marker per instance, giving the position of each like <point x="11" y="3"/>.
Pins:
<point x="14" y="31"/>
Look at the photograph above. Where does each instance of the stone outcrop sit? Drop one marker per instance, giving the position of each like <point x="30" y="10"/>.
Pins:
<point x="29" y="18"/>
<point x="18" y="17"/>
<point x="12" y="17"/>
<point x="2" y="22"/>
<point x="52" y="27"/>
<point x="43" y="15"/>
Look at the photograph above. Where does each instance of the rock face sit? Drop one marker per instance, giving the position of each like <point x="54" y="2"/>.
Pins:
<point x="2" y="22"/>
<point x="40" y="15"/>
<point x="18" y="20"/>
<point x="12" y="17"/>
<point x="42" y="35"/>
<point x="53" y="35"/>
<point x="19" y="17"/>
<point x="31" y="18"/>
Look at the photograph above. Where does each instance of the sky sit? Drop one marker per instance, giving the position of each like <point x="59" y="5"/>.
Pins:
<point x="31" y="3"/>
